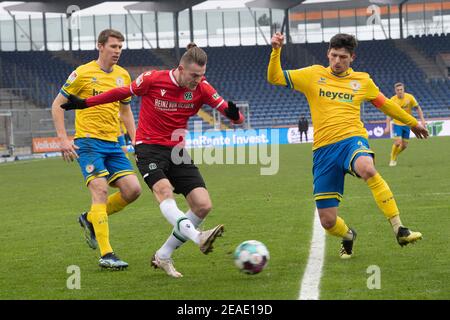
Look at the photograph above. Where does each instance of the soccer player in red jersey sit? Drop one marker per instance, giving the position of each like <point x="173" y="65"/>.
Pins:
<point x="169" y="99"/>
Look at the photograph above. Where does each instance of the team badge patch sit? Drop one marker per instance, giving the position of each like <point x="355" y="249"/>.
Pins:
<point x="188" y="96"/>
<point x="120" y="82"/>
<point x="139" y="80"/>
<point x="72" y="77"/>
<point x="152" y="166"/>
<point x="90" y="168"/>
<point x="355" y="85"/>
<point x="215" y="96"/>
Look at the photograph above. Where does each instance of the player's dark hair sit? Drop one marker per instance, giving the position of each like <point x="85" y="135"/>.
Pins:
<point x="343" y="40"/>
<point x="105" y="34"/>
<point x="399" y="84"/>
<point x="194" y="54"/>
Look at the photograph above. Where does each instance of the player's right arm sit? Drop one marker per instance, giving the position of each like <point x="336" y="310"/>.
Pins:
<point x="138" y="87"/>
<point x="274" y="72"/>
<point x="68" y="149"/>
<point x="298" y="79"/>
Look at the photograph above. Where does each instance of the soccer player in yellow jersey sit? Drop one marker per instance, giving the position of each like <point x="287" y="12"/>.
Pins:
<point x="340" y="145"/>
<point x="95" y="147"/>
<point x="401" y="131"/>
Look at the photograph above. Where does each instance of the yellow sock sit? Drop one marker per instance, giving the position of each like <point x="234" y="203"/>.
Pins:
<point x="383" y="196"/>
<point x="99" y="219"/>
<point x="340" y="229"/>
<point x="395" y="151"/>
<point x="115" y="203"/>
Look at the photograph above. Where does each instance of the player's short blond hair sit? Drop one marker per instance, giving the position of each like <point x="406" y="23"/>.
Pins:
<point x="194" y="54"/>
<point x="105" y="34"/>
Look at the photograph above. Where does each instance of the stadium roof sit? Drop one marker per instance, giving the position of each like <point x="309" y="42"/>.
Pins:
<point x="164" y="6"/>
<point x="179" y="5"/>
<point x="274" y="4"/>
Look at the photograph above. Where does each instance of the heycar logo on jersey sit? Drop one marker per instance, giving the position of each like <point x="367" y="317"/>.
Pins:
<point x="344" y="97"/>
<point x="96" y="93"/>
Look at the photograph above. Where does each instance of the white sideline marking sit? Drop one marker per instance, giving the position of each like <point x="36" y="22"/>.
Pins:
<point x="309" y="288"/>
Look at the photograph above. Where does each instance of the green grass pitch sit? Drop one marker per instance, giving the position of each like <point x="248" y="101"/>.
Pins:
<point x="40" y="236"/>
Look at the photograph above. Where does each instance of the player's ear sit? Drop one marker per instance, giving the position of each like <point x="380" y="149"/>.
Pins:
<point x="353" y="56"/>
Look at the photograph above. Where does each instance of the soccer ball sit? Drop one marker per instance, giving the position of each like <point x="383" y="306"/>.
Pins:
<point x="251" y="257"/>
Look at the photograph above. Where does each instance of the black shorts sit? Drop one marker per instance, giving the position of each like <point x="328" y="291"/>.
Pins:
<point x="155" y="163"/>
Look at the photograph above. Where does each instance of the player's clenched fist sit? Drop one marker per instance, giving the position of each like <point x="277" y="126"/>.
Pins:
<point x="277" y="40"/>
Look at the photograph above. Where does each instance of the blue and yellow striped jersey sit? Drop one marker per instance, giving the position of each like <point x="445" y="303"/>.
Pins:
<point x="407" y="103"/>
<point x="102" y="121"/>
<point x="334" y="101"/>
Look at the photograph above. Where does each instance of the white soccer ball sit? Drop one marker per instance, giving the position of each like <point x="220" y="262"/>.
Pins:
<point x="251" y="256"/>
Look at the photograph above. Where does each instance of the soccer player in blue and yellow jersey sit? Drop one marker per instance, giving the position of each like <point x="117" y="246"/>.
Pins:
<point x="401" y="131"/>
<point x="340" y="145"/>
<point x="95" y="147"/>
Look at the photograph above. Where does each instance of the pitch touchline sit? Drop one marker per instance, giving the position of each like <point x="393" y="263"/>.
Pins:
<point x="309" y="287"/>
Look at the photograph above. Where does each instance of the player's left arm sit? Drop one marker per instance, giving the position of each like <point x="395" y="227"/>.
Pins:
<point x="422" y="118"/>
<point x="387" y="130"/>
<point x="228" y="109"/>
<point x="390" y="108"/>
<point x="232" y="112"/>
<point x="128" y="120"/>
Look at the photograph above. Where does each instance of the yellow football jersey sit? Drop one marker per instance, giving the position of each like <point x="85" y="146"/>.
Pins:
<point x="102" y="121"/>
<point x="334" y="101"/>
<point x="407" y="103"/>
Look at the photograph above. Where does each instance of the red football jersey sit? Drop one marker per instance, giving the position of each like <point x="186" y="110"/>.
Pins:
<point x="166" y="107"/>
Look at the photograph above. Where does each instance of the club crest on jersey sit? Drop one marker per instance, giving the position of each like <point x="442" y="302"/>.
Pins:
<point x="90" y="168"/>
<point x="215" y="96"/>
<point x="322" y="80"/>
<point x="72" y="77"/>
<point x="355" y="85"/>
<point x="94" y="80"/>
<point x="163" y="92"/>
<point x="188" y="96"/>
<point x="152" y="166"/>
<point x="120" y="82"/>
<point x="139" y="80"/>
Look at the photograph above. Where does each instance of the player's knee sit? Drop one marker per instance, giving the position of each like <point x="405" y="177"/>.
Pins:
<point x="132" y="192"/>
<point x="404" y="145"/>
<point x="368" y="172"/>
<point x="99" y="192"/>
<point x="327" y="222"/>
<point x="163" y="192"/>
<point x="202" y="209"/>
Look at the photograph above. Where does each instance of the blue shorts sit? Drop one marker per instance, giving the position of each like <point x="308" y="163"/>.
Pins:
<point x="331" y="163"/>
<point x="100" y="158"/>
<point x="121" y="140"/>
<point x="401" y="131"/>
